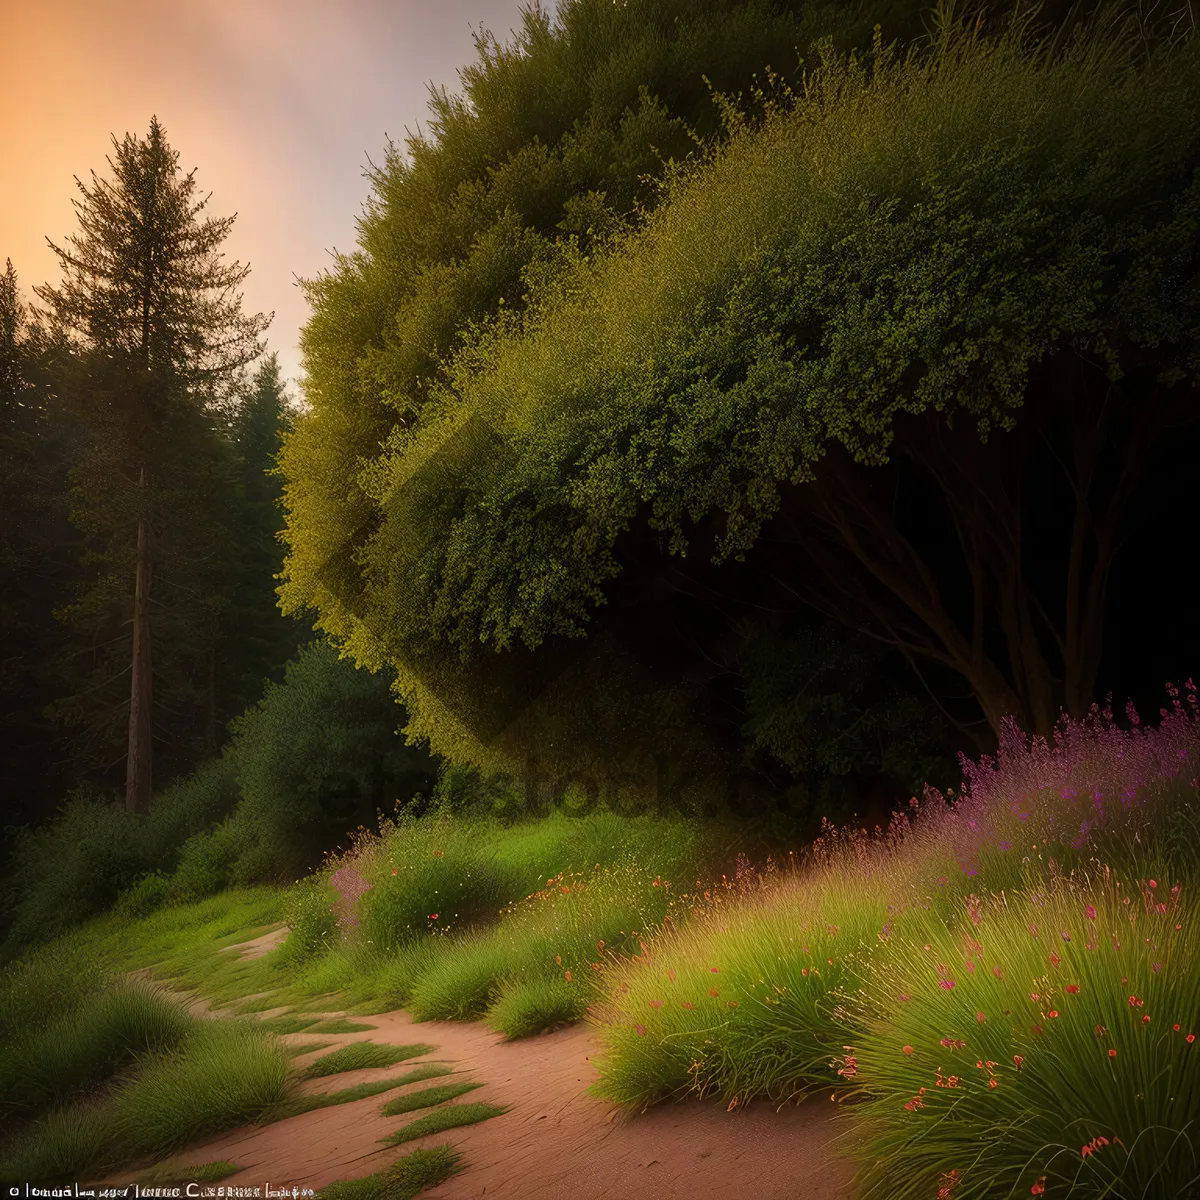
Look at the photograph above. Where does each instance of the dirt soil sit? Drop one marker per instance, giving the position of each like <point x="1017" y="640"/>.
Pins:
<point x="555" y="1140"/>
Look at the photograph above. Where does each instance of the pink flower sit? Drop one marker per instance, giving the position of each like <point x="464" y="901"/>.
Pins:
<point x="1091" y="912"/>
<point x="641" y="1030"/>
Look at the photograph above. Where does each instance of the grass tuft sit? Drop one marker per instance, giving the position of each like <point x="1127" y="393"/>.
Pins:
<point x="404" y="1179"/>
<point x="361" y="1055"/>
<point x="427" y="1098"/>
<point x="451" y="1117"/>
<point x="177" y="1174"/>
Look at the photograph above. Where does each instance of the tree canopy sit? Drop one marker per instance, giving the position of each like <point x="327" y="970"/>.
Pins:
<point x="888" y="289"/>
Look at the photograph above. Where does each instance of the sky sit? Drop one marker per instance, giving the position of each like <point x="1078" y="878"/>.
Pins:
<point x="277" y="104"/>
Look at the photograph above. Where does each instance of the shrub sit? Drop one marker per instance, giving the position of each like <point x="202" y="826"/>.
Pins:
<point x="147" y="893"/>
<point x="78" y="865"/>
<point x="320" y="755"/>
<point x="207" y="860"/>
<point x="73" y="868"/>
<point x="311" y="923"/>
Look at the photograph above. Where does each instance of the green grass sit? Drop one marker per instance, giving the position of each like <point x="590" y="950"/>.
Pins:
<point x="227" y="1074"/>
<point x="296" y="1105"/>
<point x="427" y="1097"/>
<point x="404" y="1179"/>
<point x="341" y="1026"/>
<point x="108" y="1029"/>
<point x="360" y="1055"/>
<point x="170" y="1173"/>
<point x="527" y="1006"/>
<point x="310" y="1048"/>
<point x="451" y="1117"/>
<point x="223" y="1075"/>
<point x="62" y="1145"/>
<point x="291" y="1023"/>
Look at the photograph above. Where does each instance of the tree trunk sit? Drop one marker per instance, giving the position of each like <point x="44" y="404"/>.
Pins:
<point x="141" y="726"/>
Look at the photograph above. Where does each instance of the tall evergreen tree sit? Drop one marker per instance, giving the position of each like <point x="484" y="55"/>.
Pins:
<point x="259" y="639"/>
<point x="155" y="320"/>
<point x="36" y="567"/>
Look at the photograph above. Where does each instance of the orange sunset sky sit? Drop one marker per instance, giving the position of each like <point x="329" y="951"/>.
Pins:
<point x="276" y="103"/>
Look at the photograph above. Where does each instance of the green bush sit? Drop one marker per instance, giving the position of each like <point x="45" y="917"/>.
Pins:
<point x="147" y="893"/>
<point x="320" y="755"/>
<point x="207" y="860"/>
<point x="77" y="866"/>
<point x="311" y="923"/>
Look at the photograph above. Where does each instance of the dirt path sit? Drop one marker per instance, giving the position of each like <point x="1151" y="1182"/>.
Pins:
<point x="555" y="1140"/>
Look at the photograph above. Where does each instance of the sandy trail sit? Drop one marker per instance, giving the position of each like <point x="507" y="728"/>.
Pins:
<point x="555" y="1139"/>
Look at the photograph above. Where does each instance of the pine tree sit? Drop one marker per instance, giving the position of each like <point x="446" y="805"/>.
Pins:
<point x="260" y="639"/>
<point x="154" y="317"/>
<point x="36" y="561"/>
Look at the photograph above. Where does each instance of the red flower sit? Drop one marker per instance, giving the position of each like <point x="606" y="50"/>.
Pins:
<point x="1112" y="1054"/>
<point x="1018" y="1059"/>
<point x="1072" y="988"/>
<point x="908" y="1049"/>
<point x="433" y="916"/>
<point x="1145" y="1020"/>
<point x="1054" y="1012"/>
<point x="567" y="976"/>
<point x="687" y="1004"/>
<point x="979" y="1016"/>
<point x="713" y="992"/>
<point x="1191" y="1037"/>
<point x="1039" y="1187"/>
<point x="991" y="1083"/>
<point x="714" y="970"/>
<point x="641" y="1030"/>
<point x="656" y="1004"/>
<point x="1091" y="912"/>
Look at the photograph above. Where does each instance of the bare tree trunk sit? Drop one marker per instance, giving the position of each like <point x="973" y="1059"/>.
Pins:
<point x="138" y="778"/>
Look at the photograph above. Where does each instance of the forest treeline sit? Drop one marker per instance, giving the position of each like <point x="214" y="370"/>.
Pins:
<point x="761" y="398"/>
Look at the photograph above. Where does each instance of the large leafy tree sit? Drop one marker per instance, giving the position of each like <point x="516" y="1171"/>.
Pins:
<point x="154" y="317"/>
<point x="573" y="367"/>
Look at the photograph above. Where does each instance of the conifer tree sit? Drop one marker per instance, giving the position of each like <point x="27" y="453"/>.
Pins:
<point x="155" y="320"/>
<point x="36" y="563"/>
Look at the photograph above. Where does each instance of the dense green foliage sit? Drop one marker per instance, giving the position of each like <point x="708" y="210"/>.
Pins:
<point x="557" y="146"/>
<point x="916" y="238"/>
<point x="38" y="561"/>
<point x="318" y="756"/>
